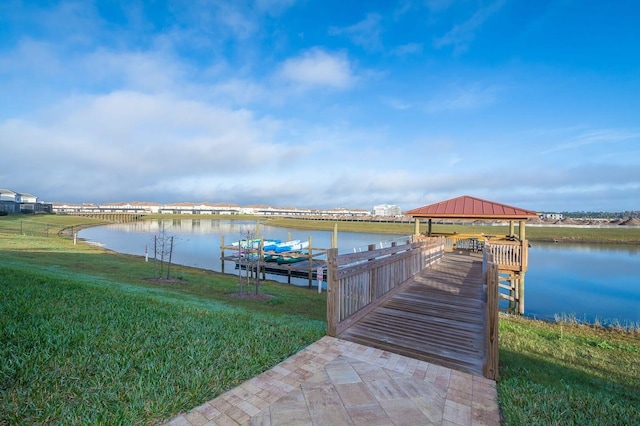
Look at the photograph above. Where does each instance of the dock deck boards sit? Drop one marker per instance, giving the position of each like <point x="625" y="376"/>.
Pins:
<point x="438" y="317"/>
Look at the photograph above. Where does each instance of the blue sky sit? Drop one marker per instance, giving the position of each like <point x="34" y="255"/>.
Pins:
<point x="323" y="103"/>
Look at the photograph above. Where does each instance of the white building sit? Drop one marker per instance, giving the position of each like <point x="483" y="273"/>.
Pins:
<point x="386" y="210"/>
<point x="552" y="216"/>
<point x="15" y="202"/>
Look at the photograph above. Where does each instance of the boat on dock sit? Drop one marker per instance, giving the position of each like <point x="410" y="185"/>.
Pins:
<point x="254" y="244"/>
<point x="272" y="245"/>
<point x="292" y="258"/>
<point x="293" y="245"/>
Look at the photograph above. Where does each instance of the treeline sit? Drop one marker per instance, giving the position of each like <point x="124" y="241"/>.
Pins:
<point x="602" y="215"/>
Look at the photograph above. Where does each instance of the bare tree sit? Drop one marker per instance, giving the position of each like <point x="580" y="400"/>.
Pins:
<point x="249" y="256"/>
<point x="162" y="252"/>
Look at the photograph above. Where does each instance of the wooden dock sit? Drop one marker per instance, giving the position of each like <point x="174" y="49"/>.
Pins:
<point x="438" y="316"/>
<point x="302" y="269"/>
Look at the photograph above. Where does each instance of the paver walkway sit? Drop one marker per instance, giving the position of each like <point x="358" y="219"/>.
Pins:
<point x="335" y="382"/>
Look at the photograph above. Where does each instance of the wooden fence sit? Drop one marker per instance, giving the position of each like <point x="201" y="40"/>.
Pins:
<point x="359" y="282"/>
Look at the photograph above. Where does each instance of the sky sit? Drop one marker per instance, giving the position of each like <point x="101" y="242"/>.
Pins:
<point x="323" y="103"/>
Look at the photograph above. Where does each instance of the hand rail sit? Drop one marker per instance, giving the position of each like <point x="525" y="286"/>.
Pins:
<point x="357" y="282"/>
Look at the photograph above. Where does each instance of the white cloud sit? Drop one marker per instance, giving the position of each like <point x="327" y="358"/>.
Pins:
<point x="319" y="68"/>
<point x="130" y="138"/>
<point x="238" y="21"/>
<point x="461" y="35"/>
<point x="399" y="104"/>
<point x="149" y="71"/>
<point x="365" y="33"/>
<point x="469" y="97"/>
<point x="593" y="137"/>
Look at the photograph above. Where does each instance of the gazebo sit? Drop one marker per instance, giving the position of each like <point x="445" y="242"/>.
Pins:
<point x="511" y="254"/>
<point x="472" y="208"/>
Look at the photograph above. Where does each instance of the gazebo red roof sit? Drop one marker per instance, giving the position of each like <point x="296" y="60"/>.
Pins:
<point x="466" y="207"/>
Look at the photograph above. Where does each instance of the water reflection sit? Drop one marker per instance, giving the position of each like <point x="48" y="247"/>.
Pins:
<point x="197" y="242"/>
<point x="588" y="281"/>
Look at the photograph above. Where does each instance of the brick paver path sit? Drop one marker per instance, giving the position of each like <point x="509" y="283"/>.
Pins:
<point x="335" y="382"/>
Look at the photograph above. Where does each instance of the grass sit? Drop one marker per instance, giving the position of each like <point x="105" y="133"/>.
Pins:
<point x="81" y="351"/>
<point x="88" y="338"/>
<point x="567" y="373"/>
<point x="59" y="254"/>
<point x="44" y="225"/>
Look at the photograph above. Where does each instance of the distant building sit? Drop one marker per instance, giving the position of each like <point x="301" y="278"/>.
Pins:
<point x="386" y="210"/>
<point x="16" y="202"/>
<point x="552" y="216"/>
<point x="201" y="208"/>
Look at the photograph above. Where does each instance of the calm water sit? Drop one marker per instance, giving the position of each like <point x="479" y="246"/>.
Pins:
<point x="197" y="242"/>
<point x="586" y="281"/>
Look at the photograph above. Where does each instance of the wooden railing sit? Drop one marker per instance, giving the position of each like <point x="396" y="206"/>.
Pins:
<point x="469" y="242"/>
<point x="359" y="282"/>
<point x="510" y="255"/>
<point x="491" y="355"/>
<point x="512" y="258"/>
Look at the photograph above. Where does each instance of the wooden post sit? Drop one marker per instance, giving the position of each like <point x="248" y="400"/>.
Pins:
<point x="511" y="229"/>
<point x="416" y="226"/>
<point x="334" y="240"/>
<point x="524" y="261"/>
<point x="490" y="366"/>
<point x="523" y="264"/>
<point x="332" y="291"/>
<point x="261" y="263"/>
<point x="513" y="283"/>
<point x="430" y="224"/>
<point x="310" y="260"/>
<point x="372" y="278"/>
<point x="521" y="294"/>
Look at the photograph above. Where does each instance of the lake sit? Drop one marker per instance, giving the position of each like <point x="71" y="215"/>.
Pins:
<point x="588" y="282"/>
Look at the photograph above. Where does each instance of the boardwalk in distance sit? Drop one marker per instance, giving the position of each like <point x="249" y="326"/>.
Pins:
<point x="437" y="317"/>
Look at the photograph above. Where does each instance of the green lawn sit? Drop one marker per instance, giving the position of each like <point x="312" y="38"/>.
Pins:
<point x="80" y="349"/>
<point x="88" y="338"/>
<point x="568" y="374"/>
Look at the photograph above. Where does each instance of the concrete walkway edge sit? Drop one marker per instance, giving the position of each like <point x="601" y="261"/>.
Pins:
<point x="336" y="382"/>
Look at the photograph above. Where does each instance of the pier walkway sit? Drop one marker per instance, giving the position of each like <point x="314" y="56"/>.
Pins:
<point x="438" y="317"/>
<point x="334" y="382"/>
<point x="416" y="359"/>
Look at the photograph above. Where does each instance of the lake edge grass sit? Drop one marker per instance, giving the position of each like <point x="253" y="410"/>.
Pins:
<point x="520" y="375"/>
<point x="567" y="373"/>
